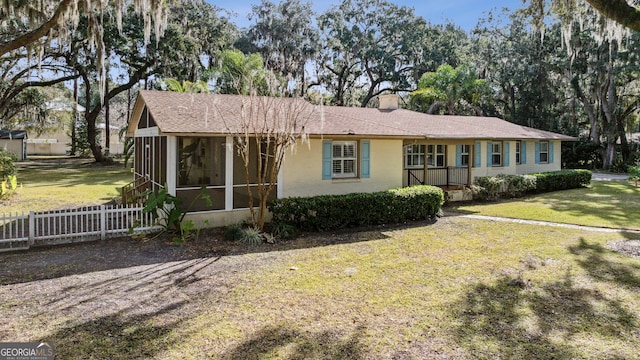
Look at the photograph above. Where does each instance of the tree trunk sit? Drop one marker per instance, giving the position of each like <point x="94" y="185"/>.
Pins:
<point x="107" y="120"/>
<point x="609" y="156"/>
<point x="74" y="121"/>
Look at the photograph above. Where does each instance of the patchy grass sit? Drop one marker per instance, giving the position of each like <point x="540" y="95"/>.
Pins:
<point x="55" y="183"/>
<point x="613" y="204"/>
<point x="460" y="288"/>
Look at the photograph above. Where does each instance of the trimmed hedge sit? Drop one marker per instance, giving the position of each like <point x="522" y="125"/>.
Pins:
<point x="495" y="187"/>
<point x="331" y="212"/>
<point x="562" y="180"/>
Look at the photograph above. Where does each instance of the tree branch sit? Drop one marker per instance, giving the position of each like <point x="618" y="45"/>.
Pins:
<point x="619" y="11"/>
<point x="38" y="33"/>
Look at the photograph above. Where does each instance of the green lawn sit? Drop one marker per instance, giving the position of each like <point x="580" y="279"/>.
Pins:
<point x="613" y="204"/>
<point x="461" y="288"/>
<point x="55" y="183"/>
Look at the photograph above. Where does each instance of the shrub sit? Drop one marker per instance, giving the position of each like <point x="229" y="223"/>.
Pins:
<point x="233" y="232"/>
<point x="251" y="235"/>
<point x="562" y="180"/>
<point x="634" y="174"/>
<point x="282" y="230"/>
<point x="8" y="170"/>
<point x="493" y="187"/>
<point x="518" y="185"/>
<point x="487" y="187"/>
<point x="330" y="212"/>
<point x="7" y="166"/>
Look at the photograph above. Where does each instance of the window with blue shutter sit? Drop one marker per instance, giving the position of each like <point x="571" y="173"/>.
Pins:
<point x="537" y="152"/>
<point x="478" y="154"/>
<point x="550" y="152"/>
<point x="523" y="152"/>
<point x="458" y="155"/>
<point x="489" y="153"/>
<point x="339" y="159"/>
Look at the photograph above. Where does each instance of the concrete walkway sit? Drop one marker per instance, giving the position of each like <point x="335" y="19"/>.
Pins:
<point x="546" y="223"/>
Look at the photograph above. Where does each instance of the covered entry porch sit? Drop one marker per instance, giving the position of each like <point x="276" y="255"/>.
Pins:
<point x="438" y="164"/>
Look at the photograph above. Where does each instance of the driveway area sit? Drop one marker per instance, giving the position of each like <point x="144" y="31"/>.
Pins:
<point x="608" y="177"/>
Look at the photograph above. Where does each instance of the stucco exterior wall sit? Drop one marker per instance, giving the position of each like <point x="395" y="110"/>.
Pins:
<point x="531" y="166"/>
<point x="302" y="170"/>
<point x="484" y="170"/>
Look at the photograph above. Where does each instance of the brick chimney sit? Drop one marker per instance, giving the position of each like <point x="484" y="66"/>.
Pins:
<point x="388" y="102"/>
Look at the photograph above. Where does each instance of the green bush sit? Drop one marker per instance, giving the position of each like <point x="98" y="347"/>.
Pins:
<point x="233" y="232"/>
<point x="251" y="235"/>
<point x="330" y="212"/>
<point x="562" y="180"/>
<point x="8" y="171"/>
<point x="494" y="187"/>
<point x="487" y="187"/>
<point x="7" y="166"/>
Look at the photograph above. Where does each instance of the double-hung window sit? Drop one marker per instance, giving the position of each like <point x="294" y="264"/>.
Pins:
<point x="414" y="156"/>
<point x="518" y="151"/>
<point x="435" y="155"/>
<point x="464" y="154"/>
<point x="344" y="159"/>
<point x="496" y="153"/>
<point x="544" y="152"/>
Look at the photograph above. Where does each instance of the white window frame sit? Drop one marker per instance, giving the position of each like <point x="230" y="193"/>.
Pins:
<point x="342" y="159"/>
<point x="518" y="152"/>
<point x="495" y="153"/>
<point x="465" y="150"/>
<point x="545" y="152"/>
<point x="435" y="153"/>
<point x="414" y="159"/>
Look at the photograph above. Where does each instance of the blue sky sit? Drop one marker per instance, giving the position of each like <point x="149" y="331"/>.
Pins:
<point x="464" y="13"/>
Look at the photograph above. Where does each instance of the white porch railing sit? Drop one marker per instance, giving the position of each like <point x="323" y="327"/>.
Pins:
<point x="22" y="231"/>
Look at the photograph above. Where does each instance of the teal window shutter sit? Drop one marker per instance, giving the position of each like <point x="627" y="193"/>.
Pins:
<point x="523" y="152"/>
<point x="506" y="153"/>
<point x="537" y="152"/>
<point x="478" y="154"/>
<point x="365" y="159"/>
<point x="458" y="155"/>
<point x="551" y="152"/>
<point x="489" y="153"/>
<point x="326" y="160"/>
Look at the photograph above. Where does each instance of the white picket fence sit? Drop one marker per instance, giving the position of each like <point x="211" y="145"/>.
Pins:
<point x="22" y="231"/>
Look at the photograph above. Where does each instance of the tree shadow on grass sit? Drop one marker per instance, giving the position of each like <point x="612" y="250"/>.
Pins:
<point x="117" y="336"/>
<point x="285" y="342"/>
<point x="512" y="319"/>
<point x="63" y="260"/>
<point x="599" y="264"/>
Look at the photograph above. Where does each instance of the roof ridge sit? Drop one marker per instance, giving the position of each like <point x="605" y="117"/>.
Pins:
<point x="373" y="122"/>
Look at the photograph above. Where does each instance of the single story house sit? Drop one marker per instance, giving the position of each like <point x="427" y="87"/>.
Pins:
<point x="184" y="140"/>
<point x="14" y="141"/>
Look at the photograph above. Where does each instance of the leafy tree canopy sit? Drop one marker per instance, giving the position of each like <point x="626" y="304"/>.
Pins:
<point x="451" y="91"/>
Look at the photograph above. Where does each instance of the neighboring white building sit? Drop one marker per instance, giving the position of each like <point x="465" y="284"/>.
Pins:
<point x="14" y="141"/>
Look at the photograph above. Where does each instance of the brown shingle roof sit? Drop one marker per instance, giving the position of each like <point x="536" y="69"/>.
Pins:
<point x="185" y="113"/>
